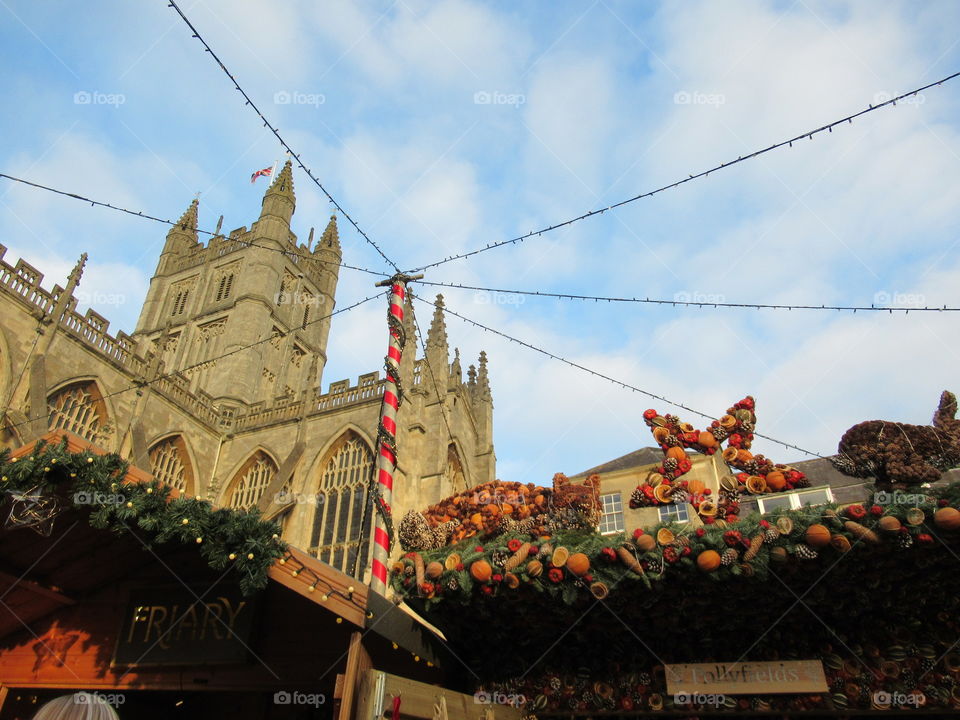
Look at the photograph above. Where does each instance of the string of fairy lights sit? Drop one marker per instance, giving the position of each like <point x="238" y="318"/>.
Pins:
<point x="615" y="381"/>
<point x="688" y="303"/>
<point x="808" y="135"/>
<point x="292" y="254"/>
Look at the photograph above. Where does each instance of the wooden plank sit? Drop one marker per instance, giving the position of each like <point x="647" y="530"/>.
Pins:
<point x="8" y="581"/>
<point x="419" y="701"/>
<point x="358" y="663"/>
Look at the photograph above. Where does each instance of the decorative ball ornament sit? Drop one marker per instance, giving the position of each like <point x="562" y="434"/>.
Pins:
<point x="250" y="556"/>
<point x="888" y="523"/>
<point x="89" y="459"/>
<point x="481" y="571"/>
<point x="646" y="543"/>
<point x="149" y="491"/>
<point x="199" y="540"/>
<point x="276" y="537"/>
<point x="708" y="560"/>
<point x="578" y="564"/>
<point x="818" y="536"/>
<point x="185" y="521"/>
<point x="776" y="481"/>
<point x="129" y="503"/>
<point x="233" y="556"/>
<point x="947" y="518"/>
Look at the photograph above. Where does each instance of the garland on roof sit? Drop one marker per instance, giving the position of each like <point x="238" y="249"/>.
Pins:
<point x="570" y="565"/>
<point x="225" y="538"/>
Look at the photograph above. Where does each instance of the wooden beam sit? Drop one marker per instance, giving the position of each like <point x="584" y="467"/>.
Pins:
<point x="9" y="581"/>
<point x="358" y="662"/>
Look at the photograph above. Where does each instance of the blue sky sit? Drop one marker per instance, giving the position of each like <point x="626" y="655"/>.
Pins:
<point x="446" y="125"/>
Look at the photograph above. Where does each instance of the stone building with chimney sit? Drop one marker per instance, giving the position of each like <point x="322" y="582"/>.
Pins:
<point x="218" y="391"/>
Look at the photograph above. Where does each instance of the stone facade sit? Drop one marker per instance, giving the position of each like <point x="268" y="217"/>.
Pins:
<point x="218" y="391"/>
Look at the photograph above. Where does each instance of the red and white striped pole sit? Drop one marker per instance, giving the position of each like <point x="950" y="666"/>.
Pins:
<point x="387" y="432"/>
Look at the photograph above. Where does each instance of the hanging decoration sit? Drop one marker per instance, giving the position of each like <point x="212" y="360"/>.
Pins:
<point x="32" y="509"/>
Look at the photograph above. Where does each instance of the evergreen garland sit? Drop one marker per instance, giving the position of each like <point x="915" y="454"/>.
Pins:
<point x="855" y="527"/>
<point x="240" y="539"/>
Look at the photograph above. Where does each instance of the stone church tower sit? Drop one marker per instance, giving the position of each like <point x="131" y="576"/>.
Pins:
<point x="218" y="392"/>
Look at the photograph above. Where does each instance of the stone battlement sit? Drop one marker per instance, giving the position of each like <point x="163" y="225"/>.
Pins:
<point x="23" y="281"/>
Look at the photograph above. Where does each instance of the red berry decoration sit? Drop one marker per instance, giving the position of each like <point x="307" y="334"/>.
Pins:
<point x="555" y="575"/>
<point x="700" y="532"/>
<point x="649" y="414"/>
<point x="514" y="545"/>
<point x="876" y="511"/>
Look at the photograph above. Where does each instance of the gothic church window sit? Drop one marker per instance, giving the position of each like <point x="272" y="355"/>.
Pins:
<point x="342" y="494"/>
<point x="453" y="476"/>
<point x="251" y="481"/>
<point x="170" y="464"/>
<point x="78" y="408"/>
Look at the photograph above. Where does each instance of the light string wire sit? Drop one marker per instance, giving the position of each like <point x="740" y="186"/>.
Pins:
<point x="140" y="384"/>
<point x="276" y="132"/>
<point x="136" y="213"/>
<point x="622" y="384"/>
<point x="689" y="303"/>
<point x="788" y="143"/>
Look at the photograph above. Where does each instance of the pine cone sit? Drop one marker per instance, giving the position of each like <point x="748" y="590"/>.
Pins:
<point x="453" y="583"/>
<point x="499" y="558"/>
<point x="771" y="534"/>
<point x="755" y="542"/>
<point x="655" y="566"/>
<point x="805" y="552"/>
<point x="729" y="556"/>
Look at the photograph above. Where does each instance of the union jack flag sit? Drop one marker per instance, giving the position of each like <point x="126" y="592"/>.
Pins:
<point x="266" y="172"/>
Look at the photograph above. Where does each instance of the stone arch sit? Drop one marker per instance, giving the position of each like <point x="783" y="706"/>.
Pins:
<point x="456" y="477"/>
<point x="341" y="481"/>
<point x="79" y="406"/>
<point x="249" y="482"/>
<point x="172" y="462"/>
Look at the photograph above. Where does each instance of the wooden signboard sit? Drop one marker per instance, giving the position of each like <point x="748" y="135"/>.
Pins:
<point x="747" y="678"/>
<point x="170" y="626"/>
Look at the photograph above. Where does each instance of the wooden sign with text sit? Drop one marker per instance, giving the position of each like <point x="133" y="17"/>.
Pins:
<point x="747" y="678"/>
<point x="170" y="626"/>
